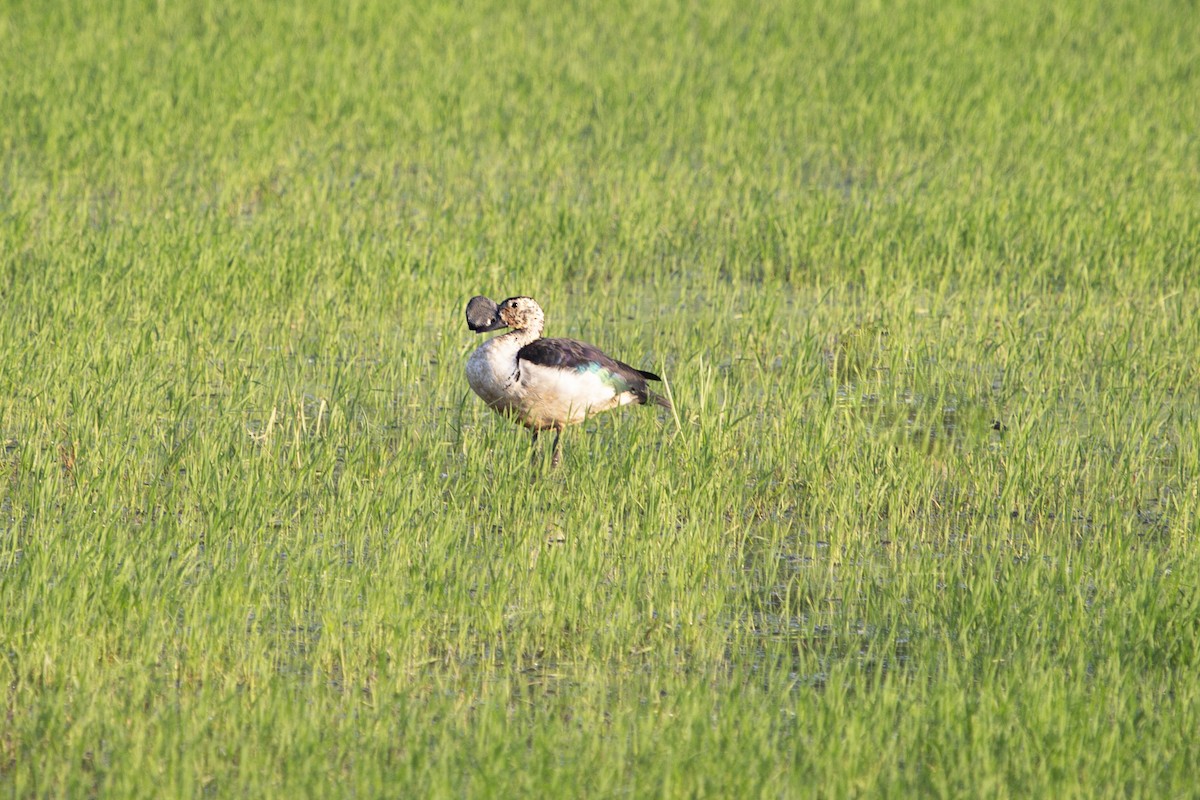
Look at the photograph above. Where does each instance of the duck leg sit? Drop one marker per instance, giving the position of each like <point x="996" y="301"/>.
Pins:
<point x="557" y="457"/>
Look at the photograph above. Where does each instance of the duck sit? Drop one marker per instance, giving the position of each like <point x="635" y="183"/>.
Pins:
<point x="546" y="384"/>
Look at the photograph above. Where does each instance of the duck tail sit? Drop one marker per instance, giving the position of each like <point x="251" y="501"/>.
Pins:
<point x="654" y="397"/>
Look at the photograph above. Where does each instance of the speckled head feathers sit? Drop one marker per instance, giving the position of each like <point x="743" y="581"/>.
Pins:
<point x="522" y="314"/>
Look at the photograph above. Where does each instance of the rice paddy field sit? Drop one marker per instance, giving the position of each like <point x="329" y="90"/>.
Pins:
<point x="922" y="278"/>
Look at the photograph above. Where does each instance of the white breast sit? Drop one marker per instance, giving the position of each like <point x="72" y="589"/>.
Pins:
<point x="491" y="370"/>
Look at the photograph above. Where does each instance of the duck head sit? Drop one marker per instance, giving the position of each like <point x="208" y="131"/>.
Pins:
<point x="518" y="313"/>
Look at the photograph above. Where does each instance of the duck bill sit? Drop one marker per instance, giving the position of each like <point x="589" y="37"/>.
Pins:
<point x="483" y="315"/>
<point x="493" y="325"/>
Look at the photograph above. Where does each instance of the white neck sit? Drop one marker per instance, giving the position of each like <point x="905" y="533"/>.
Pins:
<point x="521" y="337"/>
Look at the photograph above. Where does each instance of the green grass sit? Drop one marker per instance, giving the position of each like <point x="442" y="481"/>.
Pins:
<point x="922" y="278"/>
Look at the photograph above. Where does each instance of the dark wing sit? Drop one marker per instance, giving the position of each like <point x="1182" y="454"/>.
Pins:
<point x="572" y="354"/>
